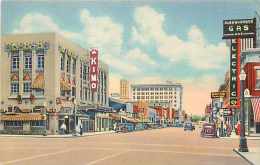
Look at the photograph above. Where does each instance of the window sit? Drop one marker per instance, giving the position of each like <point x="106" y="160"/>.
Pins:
<point x="15" y="62"/>
<point x="257" y="85"/>
<point x="74" y="66"/>
<point x="68" y="64"/>
<point x="40" y="60"/>
<point x="28" y="60"/>
<point x="85" y="69"/>
<point x="38" y="92"/>
<point x="13" y="123"/>
<point x="14" y="88"/>
<point x="27" y="87"/>
<point x="37" y="123"/>
<point x="62" y="62"/>
<point x="73" y="91"/>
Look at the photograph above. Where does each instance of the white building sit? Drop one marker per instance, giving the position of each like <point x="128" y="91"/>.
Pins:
<point x="168" y="94"/>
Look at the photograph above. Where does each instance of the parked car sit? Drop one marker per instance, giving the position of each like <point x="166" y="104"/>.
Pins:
<point x="189" y="126"/>
<point x="208" y="130"/>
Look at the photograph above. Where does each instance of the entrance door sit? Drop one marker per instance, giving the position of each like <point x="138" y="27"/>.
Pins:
<point x="257" y="127"/>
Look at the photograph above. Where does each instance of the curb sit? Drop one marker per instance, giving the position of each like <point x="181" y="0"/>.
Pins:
<point x="241" y="155"/>
<point x="71" y="136"/>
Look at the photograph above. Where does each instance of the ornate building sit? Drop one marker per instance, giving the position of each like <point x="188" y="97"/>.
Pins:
<point x="44" y="77"/>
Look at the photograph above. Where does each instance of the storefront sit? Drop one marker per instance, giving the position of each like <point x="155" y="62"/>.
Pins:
<point x="19" y="123"/>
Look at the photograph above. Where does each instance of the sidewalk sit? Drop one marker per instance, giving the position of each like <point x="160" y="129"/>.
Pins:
<point x="252" y="157"/>
<point x="234" y="136"/>
<point x="59" y="136"/>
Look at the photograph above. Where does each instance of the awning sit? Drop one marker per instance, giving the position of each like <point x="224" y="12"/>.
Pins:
<point x="115" y="116"/>
<point x="38" y="82"/>
<point x="26" y="110"/>
<point x="23" y="117"/>
<point x="65" y="86"/>
<point x="131" y="120"/>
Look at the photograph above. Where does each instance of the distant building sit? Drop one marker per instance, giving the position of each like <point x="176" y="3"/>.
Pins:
<point x="124" y="90"/>
<point x="168" y="94"/>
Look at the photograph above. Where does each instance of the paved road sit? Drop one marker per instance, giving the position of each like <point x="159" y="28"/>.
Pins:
<point x="167" y="146"/>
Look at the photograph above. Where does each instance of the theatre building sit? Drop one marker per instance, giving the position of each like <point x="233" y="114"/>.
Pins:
<point x="44" y="82"/>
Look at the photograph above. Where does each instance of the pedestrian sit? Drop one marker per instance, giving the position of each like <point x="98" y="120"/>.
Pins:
<point x="63" y="128"/>
<point x="81" y="130"/>
<point x="225" y="128"/>
<point x="219" y="127"/>
<point x="238" y="128"/>
<point x="229" y="129"/>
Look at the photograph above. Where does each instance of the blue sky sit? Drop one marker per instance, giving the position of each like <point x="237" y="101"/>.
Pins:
<point x="148" y="41"/>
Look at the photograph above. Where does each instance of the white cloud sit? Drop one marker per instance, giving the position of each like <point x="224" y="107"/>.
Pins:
<point x="136" y="55"/>
<point x="102" y="32"/>
<point x="37" y="22"/>
<point x="196" y="50"/>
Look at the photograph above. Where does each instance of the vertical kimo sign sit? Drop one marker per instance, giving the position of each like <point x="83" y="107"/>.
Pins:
<point x="93" y="69"/>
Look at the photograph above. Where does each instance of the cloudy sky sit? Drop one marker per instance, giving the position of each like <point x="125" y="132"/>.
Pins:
<point x="142" y="41"/>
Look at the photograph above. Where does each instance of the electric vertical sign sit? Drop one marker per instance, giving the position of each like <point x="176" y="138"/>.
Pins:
<point x="233" y="74"/>
<point x="235" y="30"/>
<point x="93" y="69"/>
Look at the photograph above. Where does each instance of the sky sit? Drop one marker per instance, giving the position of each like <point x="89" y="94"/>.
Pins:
<point x="143" y="41"/>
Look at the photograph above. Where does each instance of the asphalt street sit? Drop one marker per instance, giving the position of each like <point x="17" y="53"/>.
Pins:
<point x="166" y="146"/>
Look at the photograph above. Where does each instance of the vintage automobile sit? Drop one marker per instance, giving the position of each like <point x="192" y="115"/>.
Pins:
<point x="189" y="126"/>
<point x="208" y="130"/>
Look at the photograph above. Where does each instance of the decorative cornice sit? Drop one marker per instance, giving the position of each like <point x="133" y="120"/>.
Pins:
<point x="27" y="46"/>
<point x="66" y="51"/>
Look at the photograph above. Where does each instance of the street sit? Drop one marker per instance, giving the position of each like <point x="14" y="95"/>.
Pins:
<point x="153" y="147"/>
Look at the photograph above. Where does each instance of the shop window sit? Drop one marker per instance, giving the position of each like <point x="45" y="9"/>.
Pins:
<point x="37" y="123"/>
<point x="257" y="86"/>
<point x="13" y="123"/>
<point x="38" y="92"/>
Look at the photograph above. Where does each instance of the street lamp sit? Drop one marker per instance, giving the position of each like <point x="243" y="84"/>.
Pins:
<point x="44" y="113"/>
<point x="74" y="109"/>
<point x="243" y="142"/>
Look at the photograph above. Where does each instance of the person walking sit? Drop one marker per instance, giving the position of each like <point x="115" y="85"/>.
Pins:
<point x="225" y="129"/>
<point x="63" y="128"/>
<point x="81" y="129"/>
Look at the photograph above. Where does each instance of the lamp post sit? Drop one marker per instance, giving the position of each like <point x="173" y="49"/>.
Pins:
<point x="243" y="142"/>
<point x="45" y="117"/>
<point x="75" y="118"/>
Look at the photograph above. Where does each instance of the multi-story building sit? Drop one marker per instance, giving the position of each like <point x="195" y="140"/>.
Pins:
<point x="165" y="95"/>
<point x="44" y="77"/>
<point x="251" y="65"/>
<point x="124" y="90"/>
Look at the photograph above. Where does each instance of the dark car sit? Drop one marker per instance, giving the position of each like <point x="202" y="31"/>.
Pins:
<point x="208" y="130"/>
<point x="189" y="126"/>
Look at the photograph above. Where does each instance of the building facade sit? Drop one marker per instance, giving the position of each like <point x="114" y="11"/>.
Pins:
<point x="155" y="94"/>
<point x="168" y="95"/>
<point x="44" y="80"/>
<point x="251" y="65"/>
<point x="124" y="90"/>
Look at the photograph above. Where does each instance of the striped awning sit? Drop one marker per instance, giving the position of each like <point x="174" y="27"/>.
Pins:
<point x="65" y="86"/>
<point x="38" y="82"/>
<point x="23" y="117"/>
<point x="256" y="108"/>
